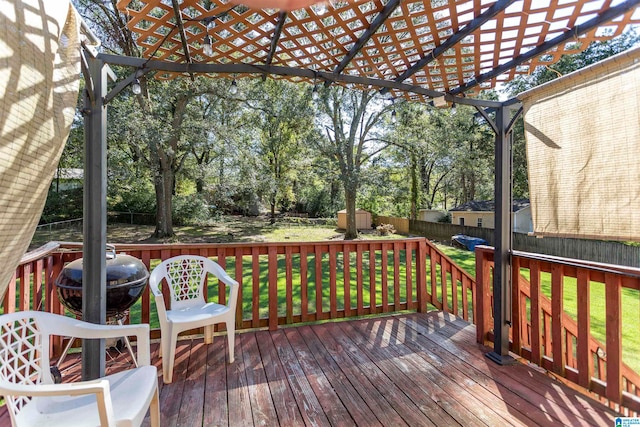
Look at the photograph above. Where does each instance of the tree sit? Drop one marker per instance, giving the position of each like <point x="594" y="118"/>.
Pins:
<point x="351" y="121"/>
<point x="285" y="121"/>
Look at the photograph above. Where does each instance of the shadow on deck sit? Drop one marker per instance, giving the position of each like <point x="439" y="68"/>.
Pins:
<point x="410" y="369"/>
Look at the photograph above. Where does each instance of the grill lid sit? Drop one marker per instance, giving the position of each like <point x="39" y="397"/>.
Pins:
<point x="126" y="280"/>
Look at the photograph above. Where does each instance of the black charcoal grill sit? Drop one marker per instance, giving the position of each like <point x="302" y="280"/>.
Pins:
<point x="126" y="280"/>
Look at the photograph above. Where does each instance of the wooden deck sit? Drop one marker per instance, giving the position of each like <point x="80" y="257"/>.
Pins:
<point x="413" y="369"/>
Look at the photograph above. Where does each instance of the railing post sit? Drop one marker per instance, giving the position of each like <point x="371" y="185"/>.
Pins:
<point x="482" y="301"/>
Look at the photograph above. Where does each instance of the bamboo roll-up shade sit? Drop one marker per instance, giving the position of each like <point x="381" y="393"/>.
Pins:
<point x="583" y="151"/>
<point x="39" y="81"/>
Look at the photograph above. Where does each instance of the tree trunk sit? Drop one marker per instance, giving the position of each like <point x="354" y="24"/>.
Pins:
<point x="414" y="187"/>
<point x="273" y="208"/>
<point x="350" y="197"/>
<point x="164" y="186"/>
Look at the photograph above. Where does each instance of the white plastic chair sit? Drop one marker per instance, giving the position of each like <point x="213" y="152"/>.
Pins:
<point x="186" y="277"/>
<point x="33" y="399"/>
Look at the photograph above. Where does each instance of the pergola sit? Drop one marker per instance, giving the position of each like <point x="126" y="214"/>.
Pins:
<point x="439" y="51"/>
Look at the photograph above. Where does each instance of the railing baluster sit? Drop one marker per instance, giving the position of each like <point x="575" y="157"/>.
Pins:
<point x="444" y="267"/>
<point x="318" y="280"/>
<point x="409" y="274"/>
<point x="359" y="280"/>
<point x="396" y="276"/>
<point x="304" y="283"/>
<point x="333" y="293"/>
<point x="421" y="279"/>
<point x="557" y="325"/>
<point x="536" y="355"/>
<point x="255" y="287"/>
<point x="585" y="361"/>
<point x="239" y="279"/>
<point x="454" y="290"/>
<point x="434" y="278"/>
<point x="346" y="259"/>
<point x="516" y="318"/>
<point x="614" y="337"/>
<point x="384" y="272"/>
<point x="372" y="280"/>
<point x="273" y="287"/>
<point x="25" y="288"/>
<point x="288" y="266"/>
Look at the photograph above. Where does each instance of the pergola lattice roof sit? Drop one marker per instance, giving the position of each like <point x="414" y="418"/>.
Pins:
<point x="455" y="46"/>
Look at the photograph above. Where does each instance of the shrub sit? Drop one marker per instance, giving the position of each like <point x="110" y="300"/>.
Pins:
<point x="191" y="209"/>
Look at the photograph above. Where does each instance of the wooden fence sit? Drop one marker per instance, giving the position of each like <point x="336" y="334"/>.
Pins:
<point x="552" y="328"/>
<point x="607" y="252"/>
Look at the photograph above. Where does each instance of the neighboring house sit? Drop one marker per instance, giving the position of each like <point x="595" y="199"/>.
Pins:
<point x="430" y="215"/>
<point x="481" y="213"/>
<point x="67" y="179"/>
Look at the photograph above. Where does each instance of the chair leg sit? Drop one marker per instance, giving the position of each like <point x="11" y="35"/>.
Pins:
<point x="169" y="357"/>
<point x="154" y="409"/>
<point x="208" y="334"/>
<point x="231" y="337"/>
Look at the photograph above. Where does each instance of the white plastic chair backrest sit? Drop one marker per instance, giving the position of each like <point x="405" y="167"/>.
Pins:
<point x="185" y="277"/>
<point x="24" y="354"/>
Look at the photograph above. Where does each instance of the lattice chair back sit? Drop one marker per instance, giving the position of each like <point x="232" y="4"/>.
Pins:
<point x="24" y="356"/>
<point x="184" y="277"/>
<point x="33" y="398"/>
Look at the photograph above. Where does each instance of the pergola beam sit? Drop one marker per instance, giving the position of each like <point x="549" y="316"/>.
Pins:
<point x="282" y="17"/>
<point x="375" y="25"/>
<point x="183" y="35"/>
<point x="472" y="26"/>
<point x="578" y="30"/>
<point x="174" y="67"/>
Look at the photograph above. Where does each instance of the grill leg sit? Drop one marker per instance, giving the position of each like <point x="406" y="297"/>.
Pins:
<point x="128" y="344"/>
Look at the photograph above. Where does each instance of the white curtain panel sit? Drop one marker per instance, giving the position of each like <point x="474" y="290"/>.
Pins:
<point x="39" y="81"/>
<point x="583" y="151"/>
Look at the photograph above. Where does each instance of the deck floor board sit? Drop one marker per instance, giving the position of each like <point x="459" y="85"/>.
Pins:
<point x="406" y="369"/>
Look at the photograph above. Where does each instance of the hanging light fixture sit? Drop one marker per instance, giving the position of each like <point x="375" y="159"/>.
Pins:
<point x="207" y="47"/>
<point x="233" y="89"/>
<point x="314" y="93"/>
<point x="136" y="88"/>
<point x="393" y="111"/>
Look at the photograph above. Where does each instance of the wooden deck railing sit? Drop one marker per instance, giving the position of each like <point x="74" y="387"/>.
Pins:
<point x="282" y="283"/>
<point x="552" y="327"/>
<point x="287" y="283"/>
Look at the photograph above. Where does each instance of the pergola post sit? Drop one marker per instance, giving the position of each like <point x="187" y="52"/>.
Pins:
<point x="94" y="216"/>
<point x="502" y="240"/>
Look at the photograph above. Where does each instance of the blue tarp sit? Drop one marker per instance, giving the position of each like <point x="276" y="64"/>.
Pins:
<point x="467" y="242"/>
